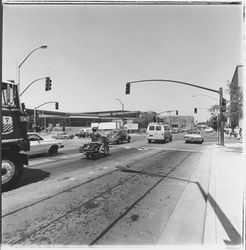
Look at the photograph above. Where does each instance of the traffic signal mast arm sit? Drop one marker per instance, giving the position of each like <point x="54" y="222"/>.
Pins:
<point x="168" y="111"/>
<point x="220" y="92"/>
<point x="180" y="82"/>
<point x="31" y="84"/>
<point x="44" y="104"/>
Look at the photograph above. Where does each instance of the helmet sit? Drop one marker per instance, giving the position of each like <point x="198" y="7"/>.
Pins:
<point x="94" y="129"/>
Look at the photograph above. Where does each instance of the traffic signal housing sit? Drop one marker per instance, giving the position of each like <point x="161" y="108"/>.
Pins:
<point x="195" y="110"/>
<point x="48" y="84"/>
<point x="57" y="105"/>
<point x="128" y="86"/>
<point x="177" y="112"/>
<point x="223" y="105"/>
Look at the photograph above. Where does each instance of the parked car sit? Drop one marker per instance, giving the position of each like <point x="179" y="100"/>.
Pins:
<point x="193" y="135"/>
<point x="159" y="132"/>
<point x="63" y="136"/>
<point x="175" y="130"/>
<point x="184" y="129"/>
<point x="118" y="136"/>
<point x="39" y="145"/>
<point x="85" y="132"/>
<point x="209" y="130"/>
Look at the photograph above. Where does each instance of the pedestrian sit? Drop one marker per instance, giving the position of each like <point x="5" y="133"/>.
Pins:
<point x="239" y="134"/>
<point x="236" y="132"/>
<point x="231" y="132"/>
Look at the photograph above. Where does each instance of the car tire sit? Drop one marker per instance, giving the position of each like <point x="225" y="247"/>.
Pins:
<point x="171" y="138"/>
<point x="119" y="141"/>
<point x="53" y="151"/>
<point x="128" y="139"/>
<point x="11" y="172"/>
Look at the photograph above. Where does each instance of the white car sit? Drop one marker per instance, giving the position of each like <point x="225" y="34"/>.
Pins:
<point x="193" y="136"/>
<point x="39" y="145"/>
<point x="209" y="130"/>
<point x="63" y="136"/>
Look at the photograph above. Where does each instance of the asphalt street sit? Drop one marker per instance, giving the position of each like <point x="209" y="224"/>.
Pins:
<point x="125" y="198"/>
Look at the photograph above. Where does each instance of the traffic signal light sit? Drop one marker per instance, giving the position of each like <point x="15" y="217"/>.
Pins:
<point x="177" y="112"/>
<point x="195" y="110"/>
<point x="31" y="119"/>
<point x="37" y="120"/>
<point x="128" y="88"/>
<point x="57" y="105"/>
<point x="48" y="84"/>
<point x="223" y="105"/>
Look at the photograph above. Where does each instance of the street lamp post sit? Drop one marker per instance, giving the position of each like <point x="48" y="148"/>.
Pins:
<point x="117" y="99"/>
<point x="40" y="47"/>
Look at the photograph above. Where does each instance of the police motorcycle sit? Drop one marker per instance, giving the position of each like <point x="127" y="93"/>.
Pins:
<point x="95" y="149"/>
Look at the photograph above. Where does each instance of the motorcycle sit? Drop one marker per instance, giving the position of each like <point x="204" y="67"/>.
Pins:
<point x="95" y="149"/>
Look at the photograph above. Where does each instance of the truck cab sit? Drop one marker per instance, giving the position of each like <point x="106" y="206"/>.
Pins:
<point x="14" y="136"/>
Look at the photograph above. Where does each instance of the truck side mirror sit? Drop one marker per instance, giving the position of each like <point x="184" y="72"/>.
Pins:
<point x="23" y="106"/>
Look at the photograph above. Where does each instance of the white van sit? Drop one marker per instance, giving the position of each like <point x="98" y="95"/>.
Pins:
<point x="158" y="132"/>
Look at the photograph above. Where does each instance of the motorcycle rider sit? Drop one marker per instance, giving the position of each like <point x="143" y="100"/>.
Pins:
<point x="95" y="137"/>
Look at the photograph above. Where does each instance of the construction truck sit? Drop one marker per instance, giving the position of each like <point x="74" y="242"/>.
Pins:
<point x="14" y="142"/>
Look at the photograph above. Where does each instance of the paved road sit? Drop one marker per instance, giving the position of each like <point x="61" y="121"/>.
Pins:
<point x="125" y="198"/>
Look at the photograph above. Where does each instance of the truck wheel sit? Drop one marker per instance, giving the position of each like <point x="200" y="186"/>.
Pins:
<point x="53" y="151"/>
<point x="11" y="172"/>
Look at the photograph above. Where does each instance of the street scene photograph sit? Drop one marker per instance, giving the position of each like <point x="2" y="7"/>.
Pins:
<point x="122" y="124"/>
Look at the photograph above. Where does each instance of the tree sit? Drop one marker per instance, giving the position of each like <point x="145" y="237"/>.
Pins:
<point x="213" y="122"/>
<point x="214" y="109"/>
<point x="236" y="104"/>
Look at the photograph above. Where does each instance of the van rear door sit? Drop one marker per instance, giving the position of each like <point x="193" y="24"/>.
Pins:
<point x="151" y="131"/>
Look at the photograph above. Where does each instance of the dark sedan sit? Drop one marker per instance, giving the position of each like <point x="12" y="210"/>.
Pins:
<point x="118" y="136"/>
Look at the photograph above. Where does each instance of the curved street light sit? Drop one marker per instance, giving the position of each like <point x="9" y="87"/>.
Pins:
<point x="19" y="66"/>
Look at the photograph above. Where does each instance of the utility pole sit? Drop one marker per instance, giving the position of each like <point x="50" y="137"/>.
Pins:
<point x="221" y="119"/>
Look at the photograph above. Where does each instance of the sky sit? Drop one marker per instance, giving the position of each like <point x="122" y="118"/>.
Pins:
<point x="94" y="50"/>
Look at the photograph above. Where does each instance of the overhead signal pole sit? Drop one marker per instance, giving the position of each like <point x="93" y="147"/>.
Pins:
<point x="220" y="92"/>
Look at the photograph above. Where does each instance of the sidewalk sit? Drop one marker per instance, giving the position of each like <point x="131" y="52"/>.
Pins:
<point x="225" y="198"/>
<point x="210" y="211"/>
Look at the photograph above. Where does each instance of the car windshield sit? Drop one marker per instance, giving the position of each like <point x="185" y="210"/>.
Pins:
<point x="10" y="96"/>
